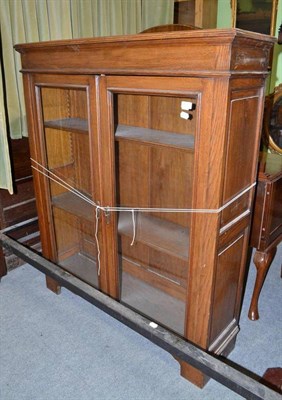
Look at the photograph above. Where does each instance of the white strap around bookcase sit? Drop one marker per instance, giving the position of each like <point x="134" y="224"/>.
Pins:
<point x="50" y="175"/>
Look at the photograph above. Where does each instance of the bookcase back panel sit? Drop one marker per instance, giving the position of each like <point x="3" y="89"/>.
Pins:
<point x="133" y="161"/>
<point x="132" y="110"/>
<point x="165" y="114"/>
<point x="66" y="233"/>
<point x="156" y="112"/>
<point x="171" y="179"/>
<point x="59" y="149"/>
<point x="62" y="103"/>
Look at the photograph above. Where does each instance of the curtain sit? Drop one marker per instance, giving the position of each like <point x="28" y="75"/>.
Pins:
<point x="24" y="21"/>
<point x="5" y="170"/>
<point x="276" y="75"/>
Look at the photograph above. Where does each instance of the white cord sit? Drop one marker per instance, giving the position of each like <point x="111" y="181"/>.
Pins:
<point x="134" y="228"/>
<point x="97" y="240"/>
<point x="74" y="191"/>
<point x="59" y="180"/>
<point x="133" y="210"/>
<point x="139" y="209"/>
<point x="237" y="197"/>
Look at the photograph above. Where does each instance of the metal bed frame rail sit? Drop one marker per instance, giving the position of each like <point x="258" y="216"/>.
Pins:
<point x="218" y="369"/>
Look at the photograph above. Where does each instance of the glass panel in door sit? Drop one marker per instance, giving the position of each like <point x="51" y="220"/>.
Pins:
<point x="67" y="165"/>
<point x="154" y="142"/>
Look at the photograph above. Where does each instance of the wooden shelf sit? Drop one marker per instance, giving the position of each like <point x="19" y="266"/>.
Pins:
<point x="77" y="125"/>
<point x="83" y="267"/>
<point x="149" y="300"/>
<point x="74" y="205"/>
<point x="154" y="137"/>
<point x="163" y="280"/>
<point x="157" y="233"/>
<point x="64" y="171"/>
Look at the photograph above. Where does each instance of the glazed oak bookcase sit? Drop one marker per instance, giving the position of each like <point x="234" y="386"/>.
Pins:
<point x="144" y="150"/>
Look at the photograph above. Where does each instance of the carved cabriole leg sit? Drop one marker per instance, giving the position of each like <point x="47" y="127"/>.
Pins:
<point x="262" y="261"/>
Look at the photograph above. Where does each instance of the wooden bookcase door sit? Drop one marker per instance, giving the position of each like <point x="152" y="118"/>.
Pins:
<point x="152" y="128"/>
<point x="65" y="163"/>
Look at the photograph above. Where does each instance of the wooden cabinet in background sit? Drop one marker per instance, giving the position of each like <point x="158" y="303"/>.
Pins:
<point x="200" y="13"/>
<point x="128" y="135"/>
<point x="266" y="233"/>
<point x="20" y="207"/>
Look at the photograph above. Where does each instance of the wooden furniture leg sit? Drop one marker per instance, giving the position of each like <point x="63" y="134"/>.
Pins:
<point x="262" y="261"/>
<point x="273" y="378"/>
<point x="3" y="267"/>
<point x="53" y="285"/>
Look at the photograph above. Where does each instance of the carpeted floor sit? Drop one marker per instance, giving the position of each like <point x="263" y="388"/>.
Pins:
<point x="63" y="348"/>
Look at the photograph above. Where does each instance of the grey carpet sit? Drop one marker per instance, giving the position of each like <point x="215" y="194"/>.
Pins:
<point x="63" y="348"/>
